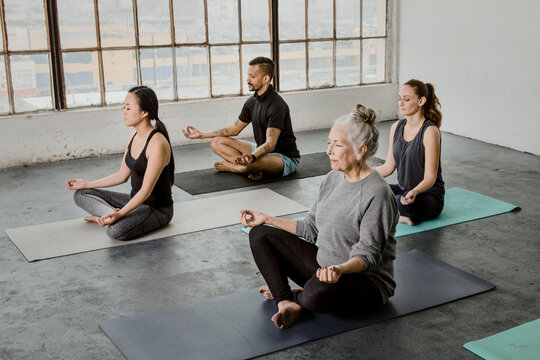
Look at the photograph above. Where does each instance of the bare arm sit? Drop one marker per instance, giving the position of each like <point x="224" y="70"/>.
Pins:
<point x="389" y="165"/>
<point x="158" y="154"/>
<point x="232" y="130"/>
<point x="272" y="135"/>
<point x="117" y="178"/>
<point x="432" y="149"/>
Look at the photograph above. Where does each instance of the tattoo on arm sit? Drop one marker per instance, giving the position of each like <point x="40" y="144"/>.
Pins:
<point x="221" y="132"/>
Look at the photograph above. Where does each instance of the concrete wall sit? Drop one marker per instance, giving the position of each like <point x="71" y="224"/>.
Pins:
<point x="484" y="59"/>
<point x="52" y="136"/>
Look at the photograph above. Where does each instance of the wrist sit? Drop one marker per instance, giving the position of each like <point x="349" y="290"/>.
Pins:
<point x="253" y="158"/>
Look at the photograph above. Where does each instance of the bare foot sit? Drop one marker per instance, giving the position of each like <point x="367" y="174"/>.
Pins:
<point x="265" y="291"/>
<point x="407" y="220"/>
<point x="288" y="313"/>
<point x="256" y="176"/>
<point x="92" y="218"/>
<point x="227" y="166"/>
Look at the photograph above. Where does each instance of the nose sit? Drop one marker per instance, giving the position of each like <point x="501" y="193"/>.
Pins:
<point x="329" y="150"/>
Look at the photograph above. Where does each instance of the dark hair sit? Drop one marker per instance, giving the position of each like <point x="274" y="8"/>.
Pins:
<point x="148" y="102"/>
<point x="431" y="109"/>
<point x="265" y="64"/>
<point x="360" y="126"/>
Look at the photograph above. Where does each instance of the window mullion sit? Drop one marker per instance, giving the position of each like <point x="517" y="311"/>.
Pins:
<point x="274" y="31"/>
<point x="99" y="54"/>
<point x="137" y="54"/>
<point x="55" y="54"/>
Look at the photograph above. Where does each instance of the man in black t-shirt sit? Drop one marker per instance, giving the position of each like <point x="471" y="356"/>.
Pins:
<point x="275" y="152"/>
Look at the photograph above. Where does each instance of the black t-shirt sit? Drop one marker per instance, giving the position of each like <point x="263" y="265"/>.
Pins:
<point x="270" y="110"/>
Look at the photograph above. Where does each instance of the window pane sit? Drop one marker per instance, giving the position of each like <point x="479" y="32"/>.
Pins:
<point x="225" y="70"/>
<point x="31" y="82"/>
<point x="4" y="103"/>
<point x="248" y="53"/>
<point x="189" y="21"/>
<point x="154" y="22"/>
<point x="373" y="18"/>
<point x="25" y="21"/>
<point x="347" y="18"/>
<point x="320" y="19"/>
<point x="77" y="23"/>
<point x="81" y="75"/>
<point x="192" y="72"/>
<point x="292" y="64"/>
<point x="373" y="60"/>
<point x="120" y="73"/>
<point x="116" y="23"/>
<point x="321" y="64"/>
<point x="255" y="20"/>
<point x="156" y="71"/>
<point x="292" y="23"/>
<point x="222" y="21"/>
<point x="347" y="62"/>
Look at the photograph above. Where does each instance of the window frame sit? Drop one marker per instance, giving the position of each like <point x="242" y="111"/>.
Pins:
<point x="55" y="52"/>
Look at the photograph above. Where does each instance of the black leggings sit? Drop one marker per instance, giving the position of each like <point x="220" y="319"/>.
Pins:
<point x="280" y="255"/>
<point x="425" y="206"/>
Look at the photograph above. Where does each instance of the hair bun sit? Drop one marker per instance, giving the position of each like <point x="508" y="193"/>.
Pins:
<point x="366" y="115"/>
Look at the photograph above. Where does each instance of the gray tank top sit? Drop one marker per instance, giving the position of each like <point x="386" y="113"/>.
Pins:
<point x="410" y="160"/>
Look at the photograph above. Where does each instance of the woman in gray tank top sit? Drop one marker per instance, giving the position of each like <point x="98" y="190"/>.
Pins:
<point x="415" y="151"/>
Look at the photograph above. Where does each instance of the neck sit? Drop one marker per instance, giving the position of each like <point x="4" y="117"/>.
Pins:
<point x="358" y="172"/>
<point x="262" y="89"/>
<point x="416" y="118"/>
<point x="144" y="128"/>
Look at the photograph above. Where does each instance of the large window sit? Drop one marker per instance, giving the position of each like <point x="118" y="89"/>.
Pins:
<point x="61" y="54"/>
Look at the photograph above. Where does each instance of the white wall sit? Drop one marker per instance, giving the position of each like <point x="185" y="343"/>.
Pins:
<point x="484" y="59"/>
<point x="52" y="136"/>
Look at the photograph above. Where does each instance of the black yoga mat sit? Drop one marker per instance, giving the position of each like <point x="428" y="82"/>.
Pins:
<point x="238" y="326"/>
<point x="210" y="180"/>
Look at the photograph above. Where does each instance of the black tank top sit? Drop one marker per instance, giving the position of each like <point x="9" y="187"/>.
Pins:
<point x="410" y="160"/>
<point x="161" y="195"/>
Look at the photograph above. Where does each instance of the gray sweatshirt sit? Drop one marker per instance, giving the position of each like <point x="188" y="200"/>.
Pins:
<point x="355" y="219"/>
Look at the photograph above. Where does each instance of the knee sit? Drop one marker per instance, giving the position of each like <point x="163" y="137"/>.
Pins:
<point x="117" y="233"/>
<point x="257" y="236"/>
<point x="217" y="143"/>
<point x="78" y="195"/>
<point x="316" y="299"/>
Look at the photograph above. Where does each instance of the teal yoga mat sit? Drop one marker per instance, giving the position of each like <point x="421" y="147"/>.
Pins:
<point x="521" y="342"/>
<point x="459" y="206"/>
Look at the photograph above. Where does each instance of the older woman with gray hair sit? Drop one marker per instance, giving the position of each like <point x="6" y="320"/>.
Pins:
<point x="345" y="260"/>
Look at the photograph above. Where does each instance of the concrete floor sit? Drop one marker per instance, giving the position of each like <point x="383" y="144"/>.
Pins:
<point x="51" y="309"/>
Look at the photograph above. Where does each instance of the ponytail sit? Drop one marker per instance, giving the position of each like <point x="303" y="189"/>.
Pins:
<point x="431" y="109"/>
<point x="160" y="126"/>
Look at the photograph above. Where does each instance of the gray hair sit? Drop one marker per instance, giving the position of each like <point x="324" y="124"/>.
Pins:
<point x="361" y="129"/>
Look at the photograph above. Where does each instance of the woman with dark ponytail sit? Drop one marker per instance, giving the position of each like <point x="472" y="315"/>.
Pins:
<point x="415" y="151"/>
<point x="149" y="161"/>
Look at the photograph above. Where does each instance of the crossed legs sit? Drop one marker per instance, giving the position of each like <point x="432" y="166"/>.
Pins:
<point x="280" y="255"/>
<point x="229" y="149"/>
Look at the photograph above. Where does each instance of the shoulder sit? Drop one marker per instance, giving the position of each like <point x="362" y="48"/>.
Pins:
<point x="249" y="102"/>
<point x="158" y="144"/>
<point x="432" y="132"/>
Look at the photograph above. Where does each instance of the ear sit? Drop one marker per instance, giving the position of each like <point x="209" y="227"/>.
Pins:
<point x="361" y="152"/>
<point x="422" y="101"/>
<point x="267" y="79"/>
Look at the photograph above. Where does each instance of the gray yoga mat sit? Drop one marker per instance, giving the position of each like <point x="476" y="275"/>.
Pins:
<point x="238" y="326"/>
<point x="209" y="180"/>
<point x="44" y="241"/>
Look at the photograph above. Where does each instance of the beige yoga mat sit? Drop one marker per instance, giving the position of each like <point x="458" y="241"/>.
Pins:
<point x="68" y="237"/>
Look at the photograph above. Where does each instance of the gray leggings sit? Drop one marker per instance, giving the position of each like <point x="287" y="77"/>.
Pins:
<point x="138" y="222"/>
